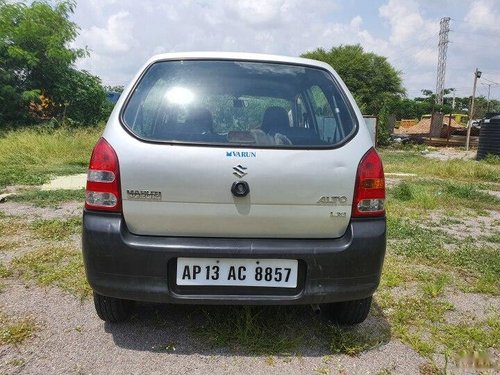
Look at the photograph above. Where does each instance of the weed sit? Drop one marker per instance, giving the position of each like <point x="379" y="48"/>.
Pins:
<point x="52" y="198"/>
<point x="10" y="226"/>
<point x="354" y="340"/>
<point x="4" y="271"/>
<point x="54" y="265"/>
<point x="434" y="284"/>
<point x="385" y="371"/>
<point x="455" y="169"/>
<point x="425" y="195"/>
<point x="429" y="368"/>
<point x="16" y="330"/>
<point x="260" y="330"/>
<point x="270" y="360"/>
<point x="468" y="336"/>
<point x="57" y="229"/>
<point x="495" y="237"/>
<point x="17" y="362"/>
<point x="492" y="159"/>
<point x="31" y="156"/>
<point x="322" y="370"/>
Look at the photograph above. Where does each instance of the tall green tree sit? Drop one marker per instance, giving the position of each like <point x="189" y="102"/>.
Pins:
<point x="36" y="60"/>
<point x="370" y="77"/>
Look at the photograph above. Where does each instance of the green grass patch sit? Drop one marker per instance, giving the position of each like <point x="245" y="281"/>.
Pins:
<point x="495" y="237"/>
<point x="424" y="195"/>
<point x="411" y="318"/>
<point x="16" y="330"/>
<point x="355" y="340"/>
<point x="411" y="161"/>
<point x="4" y="271"/>
<point x="253" y="329"/>
<point x="478" y="265"/>
<point x="57" y="229"/>
<point x="281" y="330"/>
<point x="31" y="155"/>
<point x="434" y="283"/>
<point x="54" y="265"/>
<point x="10" y="226"/>
<point x="469" y="336"/>
<point x="49" y="198"/>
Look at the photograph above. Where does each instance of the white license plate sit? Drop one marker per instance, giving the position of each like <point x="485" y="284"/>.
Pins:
<point x="277" y="273"/>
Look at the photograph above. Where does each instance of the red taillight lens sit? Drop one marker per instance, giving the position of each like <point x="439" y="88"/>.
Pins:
<point x="369" y="194"/>
<point x="103" y="179"/>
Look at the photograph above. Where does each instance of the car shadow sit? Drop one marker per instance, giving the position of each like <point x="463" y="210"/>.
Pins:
<point x="245" y="330"/>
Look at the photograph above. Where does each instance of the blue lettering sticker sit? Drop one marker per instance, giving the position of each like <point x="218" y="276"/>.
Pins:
<point x="242" y="154"/>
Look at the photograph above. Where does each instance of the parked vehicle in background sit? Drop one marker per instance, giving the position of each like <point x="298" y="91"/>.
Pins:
<point x="230" y="178"/>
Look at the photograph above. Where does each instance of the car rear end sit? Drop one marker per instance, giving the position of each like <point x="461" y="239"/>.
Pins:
<point x="234" y="179"/>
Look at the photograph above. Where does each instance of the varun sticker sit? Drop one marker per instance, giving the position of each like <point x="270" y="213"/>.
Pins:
<point x="241" y="154"/>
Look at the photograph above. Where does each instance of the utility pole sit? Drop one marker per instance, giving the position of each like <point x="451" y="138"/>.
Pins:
<point x="491" y="83"/>
<point x="477" y="75"/>
<point x="441" y="67"/>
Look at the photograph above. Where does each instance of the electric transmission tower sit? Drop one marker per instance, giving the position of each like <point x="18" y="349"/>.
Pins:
<point x="441" y="68"/>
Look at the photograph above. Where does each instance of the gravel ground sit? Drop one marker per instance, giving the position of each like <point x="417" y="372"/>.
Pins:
<point x="71" y="339"/>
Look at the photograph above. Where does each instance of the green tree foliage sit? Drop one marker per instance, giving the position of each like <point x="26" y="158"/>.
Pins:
<point x="370" y="78"/>
<point x="36" y="60"/>
<point x="374" y="83"/>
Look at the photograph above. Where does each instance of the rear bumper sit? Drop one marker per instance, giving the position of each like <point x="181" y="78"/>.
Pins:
<point x="123" y="265"/>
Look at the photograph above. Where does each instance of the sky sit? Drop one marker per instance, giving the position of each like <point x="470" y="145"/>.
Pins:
<point x="122" y="34"/>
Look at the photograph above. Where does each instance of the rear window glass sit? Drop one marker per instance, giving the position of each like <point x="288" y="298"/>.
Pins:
<point x="239" y="103"/>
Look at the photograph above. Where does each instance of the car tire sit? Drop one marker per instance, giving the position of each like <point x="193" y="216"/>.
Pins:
<point x="112" y="310"/>
<point x="348" y="312"/>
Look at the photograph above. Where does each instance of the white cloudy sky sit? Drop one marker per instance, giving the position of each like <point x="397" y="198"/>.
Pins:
<point x="123" y="34"/>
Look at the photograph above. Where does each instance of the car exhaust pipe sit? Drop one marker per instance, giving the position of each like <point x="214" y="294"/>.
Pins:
<point x="316" y="309"/>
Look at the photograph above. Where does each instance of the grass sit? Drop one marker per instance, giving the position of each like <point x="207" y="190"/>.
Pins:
<point x="57" y="229"/>
<point x="424" y="261"/>
<point x="495" y="237"/>
<point x="456" y="169"/>
<point x="52" y="198"/>
<point x="54" y="265"/>
<point x="10" y="226"/>
<point x="285" y="331"/>
<point x="257" y="330"/>
<point x="423" y="195"/>
<point x="4" y="271"/>
<point x="31" y="156"/>
<point x="478" y="264"/>
<point x="16" y="330"/>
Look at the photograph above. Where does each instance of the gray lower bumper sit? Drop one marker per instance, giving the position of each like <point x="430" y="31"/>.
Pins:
<point x="123" y="265"/>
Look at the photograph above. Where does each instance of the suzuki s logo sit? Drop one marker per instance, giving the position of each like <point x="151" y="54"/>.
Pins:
<point x="336" y="200"/>
<point x="239" y="171"/>
<point x="241" y="154"/>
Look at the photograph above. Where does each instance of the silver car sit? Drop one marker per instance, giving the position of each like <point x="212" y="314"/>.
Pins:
<point x="231" y="178"/>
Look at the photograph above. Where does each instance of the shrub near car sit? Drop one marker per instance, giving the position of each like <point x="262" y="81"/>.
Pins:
<point x="228" y="178"/>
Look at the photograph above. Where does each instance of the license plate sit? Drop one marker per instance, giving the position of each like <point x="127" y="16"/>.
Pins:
<point x="277" y="273"/>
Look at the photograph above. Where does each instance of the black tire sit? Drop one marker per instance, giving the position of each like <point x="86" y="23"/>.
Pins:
<point x="348" y="312"/>
<point x="111" y="309"/>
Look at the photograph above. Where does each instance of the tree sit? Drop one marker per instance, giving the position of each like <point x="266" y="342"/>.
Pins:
<point x="370" y="78"/>
<point x="37" y="74"/>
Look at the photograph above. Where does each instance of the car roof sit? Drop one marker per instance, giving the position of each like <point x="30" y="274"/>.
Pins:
<point x="206" y="55"/>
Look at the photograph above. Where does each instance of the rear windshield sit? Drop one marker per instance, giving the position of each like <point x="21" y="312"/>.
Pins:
<point x="239" y="103"/>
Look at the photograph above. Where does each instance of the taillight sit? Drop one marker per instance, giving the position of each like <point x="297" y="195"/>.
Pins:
<point x="369" y="193"/>
<point x="103" y="179"/>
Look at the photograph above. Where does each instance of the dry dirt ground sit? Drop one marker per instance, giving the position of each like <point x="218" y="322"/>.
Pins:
<point x="70" y="338"/>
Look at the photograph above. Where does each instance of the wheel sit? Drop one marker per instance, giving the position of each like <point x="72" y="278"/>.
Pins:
<point x="348" y="312"/>
<point x="111" y="309"/>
